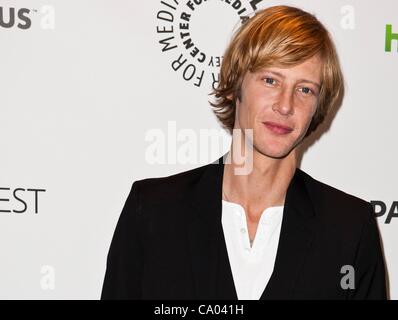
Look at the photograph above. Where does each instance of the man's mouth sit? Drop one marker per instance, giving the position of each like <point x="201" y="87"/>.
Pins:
<point x="277" y="128"/>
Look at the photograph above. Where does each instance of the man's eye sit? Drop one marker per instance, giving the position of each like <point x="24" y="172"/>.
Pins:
<point x="307" y="90"/>
<point x="270" y="81"/>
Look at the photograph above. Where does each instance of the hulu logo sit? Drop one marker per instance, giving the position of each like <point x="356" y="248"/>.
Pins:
<point x="390" y="36"/>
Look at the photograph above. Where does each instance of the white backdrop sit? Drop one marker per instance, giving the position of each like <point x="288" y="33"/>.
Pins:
<point x="87" y="92"/>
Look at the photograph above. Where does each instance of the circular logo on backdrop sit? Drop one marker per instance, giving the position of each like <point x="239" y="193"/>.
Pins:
<point x="195" y="34"/>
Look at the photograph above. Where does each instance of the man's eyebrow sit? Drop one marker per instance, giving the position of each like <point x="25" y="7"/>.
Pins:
<point x="300" y="80"/>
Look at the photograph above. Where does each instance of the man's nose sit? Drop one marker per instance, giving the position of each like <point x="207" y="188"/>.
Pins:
<point x="285" y="103"/>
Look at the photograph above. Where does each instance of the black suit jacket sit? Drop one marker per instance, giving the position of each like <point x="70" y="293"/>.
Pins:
<point x="169" y="242"/>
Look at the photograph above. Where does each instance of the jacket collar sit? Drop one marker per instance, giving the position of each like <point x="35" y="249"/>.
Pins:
<point x="210" y="264"/>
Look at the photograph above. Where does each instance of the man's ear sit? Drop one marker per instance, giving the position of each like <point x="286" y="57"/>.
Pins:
<point x="231" y="97"/>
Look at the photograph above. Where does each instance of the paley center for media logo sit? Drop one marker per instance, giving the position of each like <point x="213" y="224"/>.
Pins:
<point x="25" y="18"/>
<point x="197" y="55"/>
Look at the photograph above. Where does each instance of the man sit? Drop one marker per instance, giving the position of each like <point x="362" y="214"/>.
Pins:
<point x="274" y="232"/>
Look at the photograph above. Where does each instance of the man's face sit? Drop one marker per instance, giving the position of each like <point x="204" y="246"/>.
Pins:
<point x="278" y="104"/>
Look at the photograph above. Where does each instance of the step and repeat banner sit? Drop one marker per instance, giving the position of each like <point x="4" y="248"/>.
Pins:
<point x="96" y="94"/>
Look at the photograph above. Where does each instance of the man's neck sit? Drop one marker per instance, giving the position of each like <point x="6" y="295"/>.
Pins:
<point x="265" y="186"/>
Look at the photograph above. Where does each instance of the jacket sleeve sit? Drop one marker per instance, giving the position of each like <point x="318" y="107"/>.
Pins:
<point x="370" y="275"/>
<point x="125" y="257"/>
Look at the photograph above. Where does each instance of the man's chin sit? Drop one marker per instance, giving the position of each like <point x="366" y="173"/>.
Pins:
<point x="275" y="154"/>
<point x="280" y="155"/>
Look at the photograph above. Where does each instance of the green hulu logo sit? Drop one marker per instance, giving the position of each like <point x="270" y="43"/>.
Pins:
<point x="390" y="36"/>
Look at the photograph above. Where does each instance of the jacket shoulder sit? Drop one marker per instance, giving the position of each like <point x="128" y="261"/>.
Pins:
<point x="169" y="188"/>
<point x="337" y="202"/>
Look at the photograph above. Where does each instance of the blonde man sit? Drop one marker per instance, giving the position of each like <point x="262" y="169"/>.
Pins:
<point x="274" y="232"/>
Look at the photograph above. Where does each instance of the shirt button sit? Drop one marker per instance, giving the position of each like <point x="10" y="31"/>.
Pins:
<point x="243" y="230"/>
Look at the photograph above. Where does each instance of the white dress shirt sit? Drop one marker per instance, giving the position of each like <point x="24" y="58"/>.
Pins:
<point x="251" y="266"/>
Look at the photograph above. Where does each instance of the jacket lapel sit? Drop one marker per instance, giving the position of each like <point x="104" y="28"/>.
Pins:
<point x="210" y="264"/>
<point x="209" y="256"/>
<point x="295" y="240"/>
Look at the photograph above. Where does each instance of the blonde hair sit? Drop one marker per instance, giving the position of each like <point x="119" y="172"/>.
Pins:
<point x="278" y="36"/>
